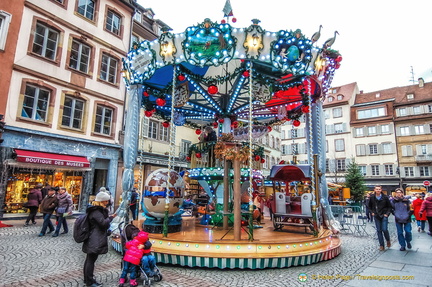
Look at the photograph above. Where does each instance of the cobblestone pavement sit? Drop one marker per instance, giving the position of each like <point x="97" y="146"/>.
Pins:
<point x="29" y="260"/>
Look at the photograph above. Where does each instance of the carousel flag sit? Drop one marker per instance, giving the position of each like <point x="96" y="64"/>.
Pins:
<point x="227" y="9"/>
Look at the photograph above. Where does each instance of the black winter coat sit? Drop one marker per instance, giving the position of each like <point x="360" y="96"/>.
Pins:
<point x="380" y="207"/>
<point x="97" y="243"/>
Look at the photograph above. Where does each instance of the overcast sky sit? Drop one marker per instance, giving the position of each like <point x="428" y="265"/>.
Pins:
<point x="380" y="40"/>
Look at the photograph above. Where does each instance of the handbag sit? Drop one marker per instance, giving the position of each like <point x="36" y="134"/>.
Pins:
<point x="62" y="209"/>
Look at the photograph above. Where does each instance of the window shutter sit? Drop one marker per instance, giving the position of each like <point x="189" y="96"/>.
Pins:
<point x="418" y="149"/>
<point x="426" y="129"/>
<point x="301" y="133"/>
<point x="393" y="147"/>
<point x="327" y="129"/>
<point x="283" y="134"/>
<point x="409" y="150"/>
<point x="378" y="130"/>
<point x="289" y="149"/>
<point x="391" y="128"/>
<point x="380" y="149"/>
<point x="288" y="135"/>
<point x="344" y="127"/>
<point x="145" y="126"/>
<point x="332" y="165"/>
<point x="429" y="149"/>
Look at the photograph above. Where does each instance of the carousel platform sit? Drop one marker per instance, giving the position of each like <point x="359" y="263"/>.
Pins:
<point x="211" y="246"/>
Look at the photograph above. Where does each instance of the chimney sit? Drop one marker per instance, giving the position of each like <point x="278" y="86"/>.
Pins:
<point x="361" y="91"/>
<point x="421" y="82"/>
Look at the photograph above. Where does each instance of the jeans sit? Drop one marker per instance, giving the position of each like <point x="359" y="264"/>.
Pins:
<point x="89" y="264"/>
<point x="148" y="263"/>
<point x="129" y="268"/>
<point x="133" y="210"/>
<point x="404" y="239"/>
<point x="61" y="221"/>
<point x="32" y="214"/>
<point x="421" y="224"/>
<point x="381" y="227"/>
<point x="47" y="223"/>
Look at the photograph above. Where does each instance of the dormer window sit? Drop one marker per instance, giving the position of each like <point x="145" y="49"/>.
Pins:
<point x="330" y="99"/>
<point x="377" y="95"/>
<point x="340" y="97"/>
<point x="410" y="96"/>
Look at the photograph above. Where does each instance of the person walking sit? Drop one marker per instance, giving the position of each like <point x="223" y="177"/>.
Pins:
<point x="34" y="198"/>
<point x="367" y="210"/>
<point x="47" y="207"/>
<point x="426" y="208"/>
<point x="97" y="243"/>
<point x="401" y="211"/>
<point x="64" y="208"/>
<point x="134" y="203"/>
<point x="421" y="220"/>
<point x="381" y="208"/>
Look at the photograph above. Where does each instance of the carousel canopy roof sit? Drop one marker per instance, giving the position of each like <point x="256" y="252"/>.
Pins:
<point x="215" y="71"/>
<point x="287" y="172"/>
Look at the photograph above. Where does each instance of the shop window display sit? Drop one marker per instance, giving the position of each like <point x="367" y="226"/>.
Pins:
<point x="20" y="183"/>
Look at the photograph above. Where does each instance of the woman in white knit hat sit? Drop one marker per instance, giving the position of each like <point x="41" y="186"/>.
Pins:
<point x="97" y="243"/>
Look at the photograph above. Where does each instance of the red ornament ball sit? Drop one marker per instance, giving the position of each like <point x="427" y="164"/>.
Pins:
<point x="188" y="158"/>
<point x="262" y="160"/>
<point x="215" y="125"/>
<point x="234" y="20"/>
<point x="198" y="131"/>
<point x="223" y="21"/>
<point x="339" y="59"/>
<point x="181" y="77"/>
<point x="221" y="121"/>
<point x="212" y="89"/>
<point x="337" y="66"/>
<point x="257" y="158"/>
<point x="148" y="113"/>
<point x="305" y="109"/>
<point x="269" y="128"/>
<point x="160" y="102"/>
<point x="165" y="124"/>
<point x="145" y="94"/>
<point x="246" y="74"/>
<point x="198" y="155"/>
<point x="296" y="123"/>
<point x="235" y="124"/>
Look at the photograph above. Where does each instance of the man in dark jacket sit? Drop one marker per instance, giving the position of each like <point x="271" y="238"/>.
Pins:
<point x="380" y="207"/>
<point x="47" y="207"/>
<point x="97" y="243"/>
<point x="401" y="211"/>
<point x="34" y="198"/>
<point x="134" y="204"/>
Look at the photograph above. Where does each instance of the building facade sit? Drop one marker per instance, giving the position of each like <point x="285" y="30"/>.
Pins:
<point x="63" y="96"/>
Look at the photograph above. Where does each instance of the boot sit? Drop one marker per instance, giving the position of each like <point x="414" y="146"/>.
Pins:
<point x="121" y="282"/>
<point x="388" y="244"/>
<point x="133" y="283"/>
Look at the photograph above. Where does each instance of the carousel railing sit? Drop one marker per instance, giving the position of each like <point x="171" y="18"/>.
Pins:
<point x="204" y="155"/>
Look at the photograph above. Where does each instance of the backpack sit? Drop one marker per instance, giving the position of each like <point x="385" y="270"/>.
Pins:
<point x="81" y="230"/>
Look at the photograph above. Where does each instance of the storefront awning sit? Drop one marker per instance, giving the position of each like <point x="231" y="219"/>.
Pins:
<point x="44" y="158"/>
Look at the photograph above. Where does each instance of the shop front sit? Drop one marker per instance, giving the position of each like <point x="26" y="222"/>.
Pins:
<point x="28" y="168"/>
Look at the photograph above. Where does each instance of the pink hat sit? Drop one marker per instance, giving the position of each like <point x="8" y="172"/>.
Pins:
<point x="142" y="236"/>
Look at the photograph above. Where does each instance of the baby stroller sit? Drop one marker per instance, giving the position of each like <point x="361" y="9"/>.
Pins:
<point x="127" y="234"/>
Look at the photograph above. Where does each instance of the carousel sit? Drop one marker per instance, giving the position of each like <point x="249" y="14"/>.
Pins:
<point x="238" y="83"/>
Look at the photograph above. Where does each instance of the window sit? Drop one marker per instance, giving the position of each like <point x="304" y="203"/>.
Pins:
<point x="402" y="112"/>
<point x="404" y="131"/>
<point x="339" y="145"/>
<point x="340" y="164"/>
<point x="326" y="114"/>
<point x="385" y="129"/>
<point x="387" y="148"/>
<point x="377" y="95"/>
<point x="360" y="149"/>
<point x="362" y="169"/>
<point x="157" y="131"/>
<point x="340" y="97"/>
<point x="103" y="120"/>
<point x="407" y="150"/>
<point x="419" y="129"/>
<point x="109" y="69"/>
<point x="375" y="169"/>
<point x="134" y="39"/>
<point x="388" y="169"/>
<point x="45" y="41"/>
<point x="373" y="149"/>
<point x="87" y="8"/>
<point x="410" y="96"/>
<point x="337" y="112"/>
<point x="359" y="132"/>
<point x="338" y="128"/>
<point x="424" y="171"/>
<point x="79" y="57"/>
<point x="73" y="111"/>
<point x="416" y="110"/>
<point x="294" y="133"/>
<point x="423" y="149"/>
<point x="5" y="19"/>
<point x="294" y="148"/>
<point x="113" y="22"/>
<point x="372" y="131"/>
<point x="330" y="99"/>
<point x="430" y="108"/>
<point x="409" y="171"/>
<point x="35" y="104"/>
<point x="138" y="16"/>
<point x="327" y="165"/>
<point x="370" y="113"/>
